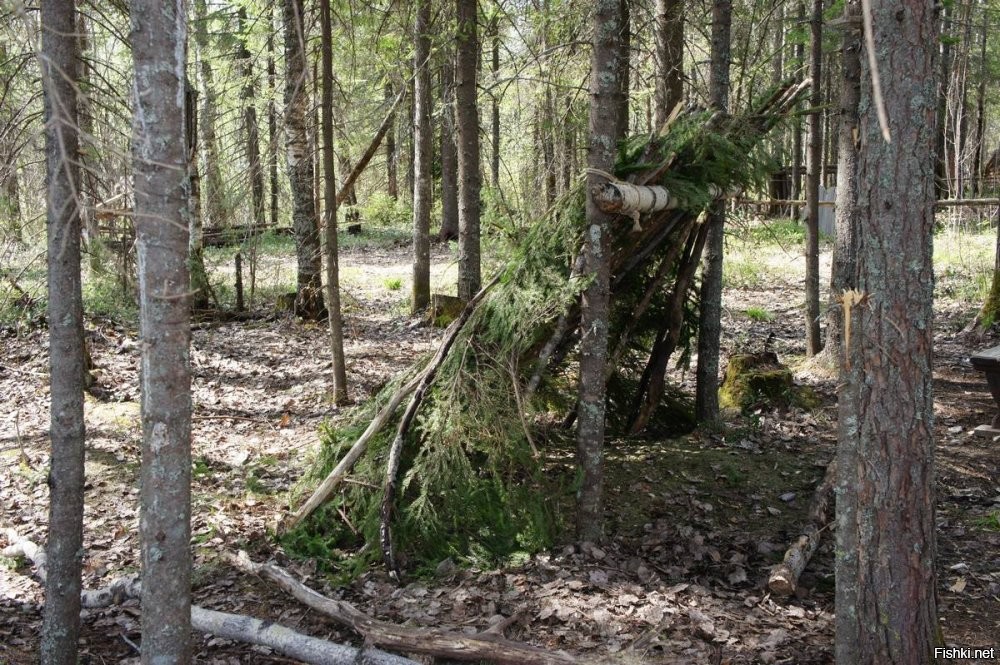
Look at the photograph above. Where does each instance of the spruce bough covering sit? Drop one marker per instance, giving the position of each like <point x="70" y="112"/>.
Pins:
<point x="471" y="484"/>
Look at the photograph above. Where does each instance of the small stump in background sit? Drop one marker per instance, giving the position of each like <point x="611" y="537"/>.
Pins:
<point x="444" y="309"/>
<point x="754" y="380"/>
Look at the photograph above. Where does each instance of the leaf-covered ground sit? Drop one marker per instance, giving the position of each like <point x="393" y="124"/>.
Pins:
<point x="694" y="523"/>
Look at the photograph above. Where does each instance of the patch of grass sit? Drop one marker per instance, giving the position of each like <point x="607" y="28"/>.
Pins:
<point x="759" y="314"/>
<point x="989" y="522"/>
<point x="742" y="272"/>
<point x="776" y="232"/>
<point x="393" y="283"/>
<point x="104" y="296"/>
<point x="963" y="263"/>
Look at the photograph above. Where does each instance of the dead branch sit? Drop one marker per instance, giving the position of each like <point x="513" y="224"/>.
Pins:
<point x="236" y="627"/>
<point x="395" y="451"/>
<point x="785" y="575"/>
<point x="362" y="164"/>
<point x="427" y="641"/>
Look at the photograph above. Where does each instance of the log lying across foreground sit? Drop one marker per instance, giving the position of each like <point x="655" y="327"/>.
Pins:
<point x="785" y="576"/>
<point x="237" y="627"/>
<point x="488" y="646"/>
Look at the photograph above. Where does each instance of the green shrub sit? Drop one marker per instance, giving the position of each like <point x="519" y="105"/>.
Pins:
<point x="381" y="210"/>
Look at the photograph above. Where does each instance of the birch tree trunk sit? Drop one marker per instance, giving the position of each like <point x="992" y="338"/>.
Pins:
<point x="251" y="128"/>
<point x="469" y="178"/>
<point x="161" y="218"/>
<point x="886" y="586"/>
<point x="309" y="294"/>
<point x="605" y="106"/>
<point x="61" y="615"/>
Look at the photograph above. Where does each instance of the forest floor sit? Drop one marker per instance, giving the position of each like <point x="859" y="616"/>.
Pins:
<point x="694" y="522"/>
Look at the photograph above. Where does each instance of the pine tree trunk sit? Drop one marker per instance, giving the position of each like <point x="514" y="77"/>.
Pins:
<point x="886" y="585"/>
<point x="669" y="58"/>
<point x="710" y="313"/>
<point x="845" y="244"/>
<point x="330" y="215"/>
<point x="605" y="125"/>
<point x="161" y="219"/>
<point x="309" y="295"/>
<point x="814" y="168"/>
<point x="469" y="178"/>
<point x="980" y="141"/>
<point x="422" y="157"/>
<point x="61" y="615"/>
<point x="215" y="194"/>
<point x="449" y="151"/>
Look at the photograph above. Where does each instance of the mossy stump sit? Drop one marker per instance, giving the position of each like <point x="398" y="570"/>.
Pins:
<point x="756" y="379"/>
<point x="444" y="309"/>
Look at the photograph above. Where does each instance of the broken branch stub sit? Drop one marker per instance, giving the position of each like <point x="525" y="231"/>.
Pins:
<point x="626" y="198"/>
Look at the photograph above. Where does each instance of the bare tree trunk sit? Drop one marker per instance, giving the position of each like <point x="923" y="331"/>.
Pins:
<point x="215" y="193"/>
<point x="940" y="151"/>
<point x="797" y="127"/>
<point x="196" y="262"/>
<point x="624" y="62"/>
<point x="87" y="196"/>
<point x="449" y="151"/>
<point x="61" y="616"/>
<point x="251" y="129"/>
<point x="161" y="219"/>
<point x="422" y="157"/>
<point x="272" y="129"/>
<point x="886" y="587"/>
<point x="980" y="141"/>
<point x="391" y="161"/>
<point x="330" y="216"/>
<point x="605" y="125"/>
<point x="813" y="342"/>
<point x="669" y="58"/>
<point x="710" y="314"/>
<point x="494" y="28"/>
<point x="469" y="178"/>
<point x="845" y="244"/>
<point x="309" y="294"/>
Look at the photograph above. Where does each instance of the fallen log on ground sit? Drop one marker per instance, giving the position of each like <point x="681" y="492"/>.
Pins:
<point x="470" y="477"/>
<point x="237" y="627"/>
<point x="485" y="646"/>
<point x="785" y="576"/>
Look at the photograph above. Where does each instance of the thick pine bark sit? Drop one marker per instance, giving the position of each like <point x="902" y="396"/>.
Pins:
<point x="469" y="178"/>
<point x="161" y="219"/>
<point x="710" y="314"/>
<point x="61" y="616"/>
<point x="422" y="157"/>
<point x="605" y="125"/>
<point x="215" y="193"/>
<point x="886" y="610"/>
<point x="309" y="294"/>
<point x="449" y="151"/>
<point x="330" y="216"/>
<point x="813" y="169"/>
<point x="669" y="58"/>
